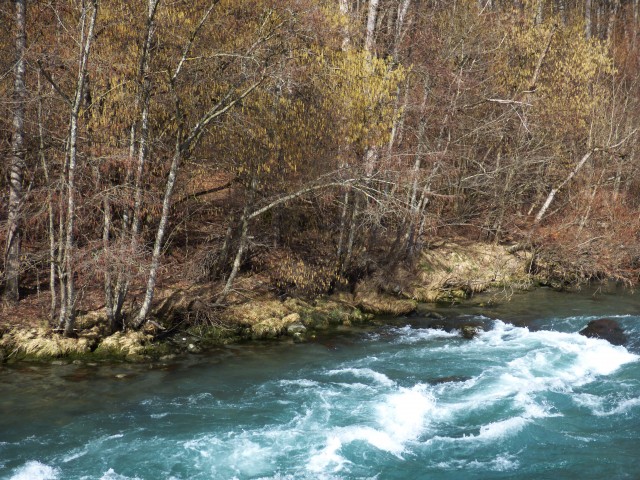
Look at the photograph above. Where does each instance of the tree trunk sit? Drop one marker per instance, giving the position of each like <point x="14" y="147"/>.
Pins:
<point x="371" y="25"/>
<point x="157" y="247"/>
<point x="68" y="320"/>
<point x="344" y="9"/>
<point x="555" y="190"/>
<point x="613" y="11"/>
<point x="51" y="227"/>
<point x="143" y="101"/>
<point x="242" y="246"/>
<point x="17" y="166"/>
<point x="343" y="226"/>
<point x="539" y="12"/>
<point x="587" y="19"/>
<point x="352" y="234"/>
<point x="108" y="288"/>
<point x="403" y="9"/>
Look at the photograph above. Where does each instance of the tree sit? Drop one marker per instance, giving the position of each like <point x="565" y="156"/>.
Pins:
<point x="17" y="165"/>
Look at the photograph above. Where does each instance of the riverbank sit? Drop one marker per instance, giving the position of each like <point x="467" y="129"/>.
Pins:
<point x="184" y="320"/>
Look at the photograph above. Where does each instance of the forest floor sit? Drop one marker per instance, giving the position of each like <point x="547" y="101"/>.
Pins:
<point x="184" y="319"/>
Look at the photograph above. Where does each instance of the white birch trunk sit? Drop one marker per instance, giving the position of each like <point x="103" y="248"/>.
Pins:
<point x="344" y="9"/>
<point x="143" y="100"/>
<point x="69" y="317"/>
<point x="613" y="11"/>
<point x="587" y="19"/>
<point x="157" y="247"/>
<point x="403" y="9"/>
<point x="17" y="166"/>
<point x="244" y="230"/>
<point x="52" y="227"/>
<point x="371" y="25"/>
<point x="554" y="191"/>
<point x="539" y="12"/>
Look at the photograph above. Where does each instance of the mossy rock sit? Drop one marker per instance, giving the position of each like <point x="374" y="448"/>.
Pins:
<point x="273" y="327"/>
<point x="210" y="335"/>
<point x="470" y="331"/>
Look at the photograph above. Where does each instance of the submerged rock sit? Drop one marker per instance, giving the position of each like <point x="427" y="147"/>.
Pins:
<point x="450" y="379"/>
<point x="606" y="329"/>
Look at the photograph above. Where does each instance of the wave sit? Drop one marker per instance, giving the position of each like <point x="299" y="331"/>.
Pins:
<point x="379" y="378"/>
<point x="409" y="335"/>
<point x="400" y="418"/>
<point x="596" y="404"/>
<point x="34" y="470"/>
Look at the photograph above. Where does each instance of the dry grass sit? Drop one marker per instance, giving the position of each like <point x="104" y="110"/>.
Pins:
<point x="42" y="343"/>
<point x="125" y="343"/>
<point x="458" y="270"/>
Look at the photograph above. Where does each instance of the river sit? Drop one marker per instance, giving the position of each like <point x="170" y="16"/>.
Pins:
<point x="527" y="399"/>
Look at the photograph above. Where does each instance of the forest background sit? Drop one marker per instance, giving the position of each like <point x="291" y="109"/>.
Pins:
<point x="298" y="147"/>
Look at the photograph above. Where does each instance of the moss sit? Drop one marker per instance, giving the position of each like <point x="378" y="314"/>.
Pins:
<point x="213" y="335"/>
<point x="130" y="343"/>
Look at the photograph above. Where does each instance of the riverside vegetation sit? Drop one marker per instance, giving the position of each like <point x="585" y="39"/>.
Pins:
<point x="182" y="174"/>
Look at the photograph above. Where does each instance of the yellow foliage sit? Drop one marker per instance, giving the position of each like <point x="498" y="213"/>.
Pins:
<point x="571" y="74"/>
<point x="362" y="88"/>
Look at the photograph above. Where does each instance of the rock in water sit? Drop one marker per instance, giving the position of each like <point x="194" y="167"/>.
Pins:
<point x="606" y="329"/>
<point x="470" y="331"/>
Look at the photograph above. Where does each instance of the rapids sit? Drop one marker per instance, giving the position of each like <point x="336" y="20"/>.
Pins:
<point x="529" y="398"/>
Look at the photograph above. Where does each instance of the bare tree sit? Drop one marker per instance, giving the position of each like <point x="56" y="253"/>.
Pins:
<point x="67" y="308"/>
<point x="17" y="166"/>
<point x="115" y="294"/>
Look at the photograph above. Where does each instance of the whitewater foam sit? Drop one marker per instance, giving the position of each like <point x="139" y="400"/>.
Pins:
<point x="112" y="475"/>
<point x="409" y="335"/>
<point x="379" y="378"/>
<point x="596" y="404"/>
<point x="400" y="417"/>
<point x="34" y="470"/>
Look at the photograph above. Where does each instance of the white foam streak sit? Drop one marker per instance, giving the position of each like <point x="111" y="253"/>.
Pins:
<point x="596" y="405"/>
<point x="502" y="463"/>
<point x="408" y="335"/>
<point x="112" y="475"/>
<point x="379" y="378"/>
<point x="498" y="430"/>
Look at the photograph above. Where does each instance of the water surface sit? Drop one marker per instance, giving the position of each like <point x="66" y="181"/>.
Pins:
<point x="529" y="399"/>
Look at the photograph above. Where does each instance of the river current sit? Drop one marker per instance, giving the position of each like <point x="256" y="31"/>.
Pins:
<point x="530" y="399"/>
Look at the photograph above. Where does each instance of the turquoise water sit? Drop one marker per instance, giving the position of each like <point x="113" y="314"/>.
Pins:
<point x="528" y="399"/>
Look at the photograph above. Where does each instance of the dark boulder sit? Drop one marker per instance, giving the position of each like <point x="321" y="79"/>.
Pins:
<point x="470" y="331"/>
<point x="607" y="329"/>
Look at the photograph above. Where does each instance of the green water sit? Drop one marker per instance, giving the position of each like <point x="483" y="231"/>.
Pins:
<point x="528" y="399"/>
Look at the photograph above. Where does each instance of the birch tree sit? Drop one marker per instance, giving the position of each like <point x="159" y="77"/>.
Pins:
<point x="88" y="15"/>
<point x="17" y="161"/>
<point x="188" y="133"/>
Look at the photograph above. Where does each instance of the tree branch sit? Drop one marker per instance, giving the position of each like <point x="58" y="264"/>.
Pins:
<point x="205" y="192"/>
<point x="55" y="86"/>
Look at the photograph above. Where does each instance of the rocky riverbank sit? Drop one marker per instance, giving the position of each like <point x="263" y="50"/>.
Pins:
<point x="185" y="321"/>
